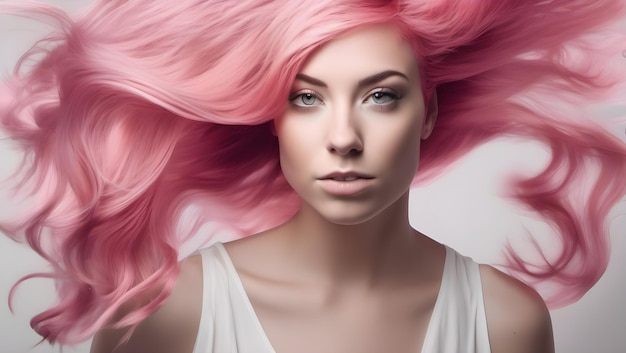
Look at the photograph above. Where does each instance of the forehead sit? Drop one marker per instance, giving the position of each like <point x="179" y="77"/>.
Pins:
<point x="362" y="52"/>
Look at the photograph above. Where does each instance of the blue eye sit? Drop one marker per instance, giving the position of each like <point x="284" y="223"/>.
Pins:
<point x="382" y="97"/>
<point x="308" y="99"/>
<point x="305" y="99"/>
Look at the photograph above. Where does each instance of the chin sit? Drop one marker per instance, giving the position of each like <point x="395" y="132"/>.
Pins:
<point x="349" y="216"/>
<point x="356" y="211"/>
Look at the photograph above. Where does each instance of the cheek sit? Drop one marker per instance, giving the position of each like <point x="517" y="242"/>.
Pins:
<point x="407" y="158"/>
<point x="401" y="145"/>
<point x="288" y="155"/>
<point x="294" y="149"/>
<point x="399" y="155"/>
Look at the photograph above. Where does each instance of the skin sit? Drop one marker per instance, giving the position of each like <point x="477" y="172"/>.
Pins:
<point x="359" y="279"/>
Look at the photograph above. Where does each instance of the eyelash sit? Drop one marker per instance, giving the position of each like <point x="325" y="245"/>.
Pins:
<point x="300" y="94"/>
<point x="386" y="93"/>
<point x="394" y="97"/>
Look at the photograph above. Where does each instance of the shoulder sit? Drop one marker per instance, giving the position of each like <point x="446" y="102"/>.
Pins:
<point x="172" y="328"/>
<point x="517" y="318"/>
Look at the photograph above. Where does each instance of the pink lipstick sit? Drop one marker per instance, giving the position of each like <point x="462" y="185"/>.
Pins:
<point x="345" y="183"/>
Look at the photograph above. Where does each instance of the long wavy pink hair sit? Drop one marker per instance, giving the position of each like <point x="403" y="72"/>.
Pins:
<point x="142" y="112"/>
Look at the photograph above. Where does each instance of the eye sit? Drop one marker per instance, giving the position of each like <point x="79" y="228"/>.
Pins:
<point x="382" y="97"/>
<point x="304" y="99"/>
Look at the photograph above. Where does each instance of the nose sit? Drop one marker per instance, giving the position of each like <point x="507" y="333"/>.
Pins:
<point x="344" y="137"/>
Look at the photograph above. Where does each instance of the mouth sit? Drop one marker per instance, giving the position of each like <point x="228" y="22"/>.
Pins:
<point x="345" y="176"/>
<point x="345" y="184"/>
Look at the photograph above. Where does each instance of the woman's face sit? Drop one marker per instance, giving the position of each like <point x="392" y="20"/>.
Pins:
<point x="350" y="136"/>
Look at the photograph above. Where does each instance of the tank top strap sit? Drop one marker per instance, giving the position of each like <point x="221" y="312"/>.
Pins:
<point x="458" y="322"/>
<point x="227" y="321"/>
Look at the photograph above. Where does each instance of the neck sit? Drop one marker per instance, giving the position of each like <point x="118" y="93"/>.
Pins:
<point x="358" y="254"/>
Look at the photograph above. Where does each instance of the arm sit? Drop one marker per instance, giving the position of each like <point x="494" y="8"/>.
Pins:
<point x="518" y="320"/>
<point x="172" y="328"/>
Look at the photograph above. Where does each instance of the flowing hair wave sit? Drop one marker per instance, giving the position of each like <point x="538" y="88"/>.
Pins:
<point x="142" y="112"/>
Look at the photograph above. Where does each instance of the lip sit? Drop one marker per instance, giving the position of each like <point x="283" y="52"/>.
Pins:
<point x="345" y="183"/>
<point x="344" y="175"/>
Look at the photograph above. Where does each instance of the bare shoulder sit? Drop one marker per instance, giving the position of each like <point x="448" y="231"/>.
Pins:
<point x="517" y="318"/>
<point x="172" y="328"/>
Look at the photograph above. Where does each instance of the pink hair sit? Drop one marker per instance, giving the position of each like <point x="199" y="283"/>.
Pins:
<point x="142" y="111"/>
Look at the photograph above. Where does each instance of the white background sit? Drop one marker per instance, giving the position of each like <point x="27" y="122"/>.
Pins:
<point x="461" y="209"/>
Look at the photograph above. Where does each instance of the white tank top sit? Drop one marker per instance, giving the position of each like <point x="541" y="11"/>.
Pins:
<point x="228" y="323"/>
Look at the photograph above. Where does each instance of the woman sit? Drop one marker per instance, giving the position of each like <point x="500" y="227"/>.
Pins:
<point x="317" y="116"/>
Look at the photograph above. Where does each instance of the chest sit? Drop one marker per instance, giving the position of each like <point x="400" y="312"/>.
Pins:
<point x="353" y="333"/>
<point x="305" y="323"/>
<point x="277" y="317"/>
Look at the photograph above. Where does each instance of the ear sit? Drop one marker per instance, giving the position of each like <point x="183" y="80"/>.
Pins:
<point x="432" y="111"/>
<point x="273" y="127"/>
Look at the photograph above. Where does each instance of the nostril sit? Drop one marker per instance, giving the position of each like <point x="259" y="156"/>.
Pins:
<point x="351" y="146"/>
<point x="346" y="152"/>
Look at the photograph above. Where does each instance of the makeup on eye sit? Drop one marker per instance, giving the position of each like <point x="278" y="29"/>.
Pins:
<point x="384" y="88"/>
<point x="304" y="98"/>
<point x="379" y="97"/>
<point x="383" y="97"/>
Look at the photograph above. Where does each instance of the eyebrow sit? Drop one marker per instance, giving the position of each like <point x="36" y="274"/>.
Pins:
<point x="362" y="83"/>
